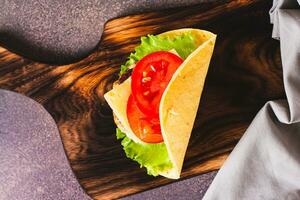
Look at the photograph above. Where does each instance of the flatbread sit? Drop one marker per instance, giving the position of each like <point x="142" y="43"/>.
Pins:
<point x="179" y="103"/>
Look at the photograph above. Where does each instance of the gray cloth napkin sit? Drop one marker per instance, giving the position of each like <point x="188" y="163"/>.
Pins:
<point x="265" y="164"/>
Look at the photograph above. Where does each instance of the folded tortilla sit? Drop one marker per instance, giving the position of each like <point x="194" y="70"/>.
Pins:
<point x="179" y="103"/>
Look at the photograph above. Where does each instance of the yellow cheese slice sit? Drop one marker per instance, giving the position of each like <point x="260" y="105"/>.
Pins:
<point x="117" y="99"/>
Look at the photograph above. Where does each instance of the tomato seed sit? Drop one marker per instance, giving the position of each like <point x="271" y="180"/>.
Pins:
<point x="146" y="79"/>
<point x="152" y="67"/>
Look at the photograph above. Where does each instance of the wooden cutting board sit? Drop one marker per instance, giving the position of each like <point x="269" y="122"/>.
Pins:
<point x="244" y="74"/>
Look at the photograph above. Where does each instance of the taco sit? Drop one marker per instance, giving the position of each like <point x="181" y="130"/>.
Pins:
<point x="156" y="98"/>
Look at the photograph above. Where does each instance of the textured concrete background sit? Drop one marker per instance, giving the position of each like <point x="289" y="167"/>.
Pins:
<point x="33" y="163"/>
<point x="59" y="32"/>
<point x="64" y="30"/>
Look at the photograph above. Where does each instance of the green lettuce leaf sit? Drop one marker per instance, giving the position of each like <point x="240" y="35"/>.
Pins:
<point x="152" y="156"/>
<point x="183" y="44"/>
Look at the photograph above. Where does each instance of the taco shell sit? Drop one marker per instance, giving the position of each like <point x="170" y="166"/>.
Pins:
<point x="179" y="103"/>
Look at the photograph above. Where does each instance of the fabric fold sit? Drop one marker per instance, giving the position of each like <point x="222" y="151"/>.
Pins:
<point x="265" y="164"/>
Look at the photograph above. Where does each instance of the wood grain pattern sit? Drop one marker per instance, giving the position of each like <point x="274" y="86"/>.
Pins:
<point x="244" y="74"/>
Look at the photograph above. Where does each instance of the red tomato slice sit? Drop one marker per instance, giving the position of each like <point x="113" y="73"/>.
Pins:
<point x="145" y="128"/>
<point x="150" y="78"/>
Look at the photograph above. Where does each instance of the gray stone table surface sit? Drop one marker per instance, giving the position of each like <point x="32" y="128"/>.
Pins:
<point x="66" y="30"/>
<point x="33" y="164"/>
